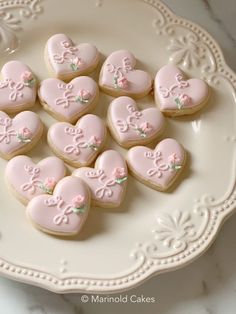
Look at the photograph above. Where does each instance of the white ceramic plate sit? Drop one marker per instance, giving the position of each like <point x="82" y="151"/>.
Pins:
<point x="117" y="249"/>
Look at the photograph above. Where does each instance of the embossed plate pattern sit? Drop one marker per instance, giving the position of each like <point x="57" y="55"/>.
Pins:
<point x="151" y="232"/>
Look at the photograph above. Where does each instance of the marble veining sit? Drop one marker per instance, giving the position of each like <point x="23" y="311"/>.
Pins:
<point x="209" y="5"/>
<point x="210" y="287"/>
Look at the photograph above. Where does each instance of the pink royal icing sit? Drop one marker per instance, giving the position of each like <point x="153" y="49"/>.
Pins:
<point x="30" y="180"/>
<point x="17" y="88"/>
<point x="66" y="58"/>
<point x="107" y="181"/>
<point x="83" y="96"/>
<point x="48" y="185"/>
<point x="17" y="132"/>
<point x="69" y="100"/>
<point x="78" y="202"/>
<point x="81" y="143"/>
<point x="28" y="78"/>
<point x="65" y="211"/>
<point x="173" y="92"/>
<point x="158" y="166"/>
<point x="24" y="135"/>
<point x="118" y="73"/>
<point x="119" y="173"/>
<point x="130" y="124"/>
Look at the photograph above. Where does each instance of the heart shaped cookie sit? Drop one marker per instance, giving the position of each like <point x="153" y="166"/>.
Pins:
<point x="119" y="78"/>
<point x="64" y="212"/>
<point x="177" y="96"/>
<point x="27" y="179"/>
<point x="107" y="181"/>
<point x="129" y="126"/>
<point x="157" y="168"/>
<point x="19" y="134"/>
<point x="17" y="87"/>
<point x="78" y="145"/>
<point x="65" y="60"/>
<point x="67" y="102"/>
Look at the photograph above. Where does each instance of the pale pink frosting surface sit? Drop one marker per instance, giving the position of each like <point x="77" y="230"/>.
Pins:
<point x="62" y="98"/>
<point x="129" y="122"/>
<point x="28" y="179"/>
<point x="75" y="142"/>
<point x="170" y="85"/>
<point x="121" y="63"/>
<point x="11" y="130"/>
<point x="87" y="54"/>
<point x="102" y="178"/>
<point x="56" y="212"/>
<point x="14" y="93"/>
<point x="157" y="166"/>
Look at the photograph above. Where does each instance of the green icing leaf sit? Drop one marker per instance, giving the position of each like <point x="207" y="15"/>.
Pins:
<point x="177" y="101"/>
<point x="30" y="83"/>
<point x="22" y="139"/>
<point x="79" y="210"/>
<point x="175" y="167"/>
<point x="93" y="147"/>
<point x="81" y="100"/>
<point x="121" y="180"/>
<point x="44" y="189"/>
<point x="141" y="133"/>
<point x="73" y="67"/>
<point x="115" y="81"/>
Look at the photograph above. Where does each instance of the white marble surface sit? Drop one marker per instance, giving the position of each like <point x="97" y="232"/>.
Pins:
<point x="207" y="286"/>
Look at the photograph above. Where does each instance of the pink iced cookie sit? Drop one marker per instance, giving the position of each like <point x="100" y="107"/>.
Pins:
<point x="19" y="134"/>
<point x="80" y="144"/>
<point x="119" y="78"/>
<point x="64" y="212"/>
<point x="129" y="126"/>
<point x="157" y="168"/>
<point x="17" y="87"/>
<point x="177" y="96"/>
<point x="67" y="102"/>
<point x="107" y="181"/>
<point x="65" y="60"/>
<point x="27" y="179"/>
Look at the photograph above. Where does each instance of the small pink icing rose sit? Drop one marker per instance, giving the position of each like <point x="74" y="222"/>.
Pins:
<point x="25" y="133"/>
<point x="49" y="183"/>
<point x="27" y="76"/>
<point x="94" y="140"/>
<point x="146" y="127"/>
<point x="174" y="159"/>
<point x="174" y="162"/>
<point x="78" y="201"/>
<point x="119" y="173"/>
<point x="122" y="82"/>
<point x="76" y="61"/>
<point x="84" y="94"/>
<point x="184" y="99"/>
